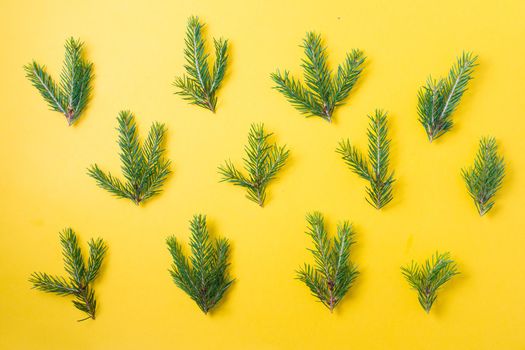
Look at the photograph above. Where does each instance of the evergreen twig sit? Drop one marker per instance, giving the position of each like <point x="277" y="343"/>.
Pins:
<point x="263" y="161"/>
<point x="199" y="86"/>
<point x="439" y="99"/>
<point x="333" y="273"/>
<point x="485" y="177"/>
<point x="80" y="277"/>
<point x="428" y="278"/>
<point x="375" y="169"/>
<point x="323" y="91"/>
<point x="71" y="96"/>
<point x="144" y="166"/>
<point x="204" y="276"/>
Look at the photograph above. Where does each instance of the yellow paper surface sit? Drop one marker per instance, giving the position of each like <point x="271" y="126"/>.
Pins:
<point x="137" y="49"/>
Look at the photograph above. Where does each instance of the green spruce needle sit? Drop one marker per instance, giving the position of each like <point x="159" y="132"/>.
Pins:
<point x="79" y="282"/>
<point x="199" y="86"/>
<point x="438" y="100"/>
<point x="485" y="177"/>
<point x="204" y="275"/>
<point x="333" y="273"/>
<point x="144" y="166"/>
<point x="263" y="161"/>
<point x="323" y="91"/>
<point x="428" y="278"/>
<point x="375" y="169"/>
<point x="71" y="96"/>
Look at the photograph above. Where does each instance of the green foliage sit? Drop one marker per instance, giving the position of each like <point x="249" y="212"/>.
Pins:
<point x="439" y="99"/>
<point x="375" y="169"/>
<point x="199" y="86"/>
<point x="333" y="274"/>
<point x="144" y="166"/>
<point x="427" y="278"/>
<point x="485" y="177"/>
<point x="204" y="276"/>
<point x="80" y="277"/>
<point x="71" y="96"/>
<point x="263" y="161"/>
<point x="323" y="91"/>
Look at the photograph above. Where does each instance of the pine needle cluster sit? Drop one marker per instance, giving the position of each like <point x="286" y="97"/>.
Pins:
<point x="199" y="86"/>
<point x="438" y="100"/>
<point x="263" y="161"/>
<point x="333" y="273"/>
<point x="375" y="169"/>
<point x="485" y="177"/>
<point x="144" y="166"/>
<point x="80" y="277"/>
<point x="323" y="91"/>
<point x="428" y="278"/>
<point x="204" y="276"/>
<point x="71" y="96"/>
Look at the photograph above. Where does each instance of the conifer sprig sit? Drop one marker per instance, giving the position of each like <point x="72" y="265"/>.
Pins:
<point x="144" y="166"/>
<point x="80" y="276"/>
<point x="323" y="92"/>
<point x="263" y="161"/>
<point x="428" y="278"/>
<point x="375" y="169"/>
<point x="485" y="177"/>
<point x="199" y="86"/>
<point x="71" y="96"/>
<point x="438" y="100"/>
<point x="333" y="273"/>
<point x="204" y="276"/>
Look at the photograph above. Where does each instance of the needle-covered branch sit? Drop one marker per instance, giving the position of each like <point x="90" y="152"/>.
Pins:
<point x="438" y="100"/>
<point x="204" y="276"/>
<point x="375" y="169"/>
<point x="80" y="276"/>
<point x="333" y="273"/>
<point x="323" y="91"/>
<point x="199" y="86"/>
<point x="428" y="278"/>
<point x="144" y="166"/>
<point x="71" y="96"/>
<point x="263" y="161"/>
<point x="485" y="177"/>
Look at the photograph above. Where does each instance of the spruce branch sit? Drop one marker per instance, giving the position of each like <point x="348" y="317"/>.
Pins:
<point x="204" y="276"/>
<point x="333" y="273"/>
<point x="71" y="96"/>
<point x="375" y="169"/>
<point x="80" y="277"/>
<point x="438" y="100"/>
<point x="199" y="86"/>
<point x="323" y="92"/>
<point x="485" y="177"/>
<point x="263" y="161"/>
<point x="428" y="278"/>
<point x="144" y="167"/>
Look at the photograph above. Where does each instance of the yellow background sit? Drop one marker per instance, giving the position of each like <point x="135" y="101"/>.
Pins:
<point x="137" y="49"/>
